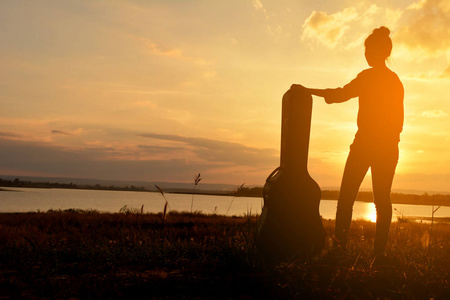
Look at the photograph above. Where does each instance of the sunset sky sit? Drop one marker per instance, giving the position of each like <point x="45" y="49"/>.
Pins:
<point x="161" y="90"/>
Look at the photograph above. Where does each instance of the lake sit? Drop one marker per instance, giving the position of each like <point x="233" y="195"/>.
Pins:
<point x="32" y="200"/>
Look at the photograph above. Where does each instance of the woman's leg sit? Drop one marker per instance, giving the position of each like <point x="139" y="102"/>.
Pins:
<point x="355" y="169"/>
<point x="383" y="171"/>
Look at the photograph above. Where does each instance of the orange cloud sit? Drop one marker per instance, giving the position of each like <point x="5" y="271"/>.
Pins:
<point x="446" y="73"/>
<point x="60" y="132"/>
<point x="425" y="28"/>
<point x="349" y="27"/>
<point x="328" y="29"/>
<point x="259" y="7"/>
<point x="155" y="49"/>
<point x="158" y="50"/>
<point x="436" y="113"/>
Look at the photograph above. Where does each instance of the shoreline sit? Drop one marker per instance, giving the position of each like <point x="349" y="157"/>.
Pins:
<point x="363" y="196"/>
<point x="78" y="211"/>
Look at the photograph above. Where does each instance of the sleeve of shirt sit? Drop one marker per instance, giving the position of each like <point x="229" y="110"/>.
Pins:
<point x="345" y="93"/>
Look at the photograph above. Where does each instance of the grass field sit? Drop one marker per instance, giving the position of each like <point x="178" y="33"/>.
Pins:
<point x="90" y="255"/>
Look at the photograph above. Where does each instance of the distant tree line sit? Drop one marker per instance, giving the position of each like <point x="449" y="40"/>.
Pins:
<point x="29" y="184"/>
<point x="398" y="198"/>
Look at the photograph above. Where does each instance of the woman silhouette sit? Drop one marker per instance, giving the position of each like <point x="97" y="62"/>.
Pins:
<point x="380" y="121"/>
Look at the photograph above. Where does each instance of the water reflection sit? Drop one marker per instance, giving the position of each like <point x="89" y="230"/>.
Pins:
<point x="370" y="213"/>
<point x="111" y="201"/>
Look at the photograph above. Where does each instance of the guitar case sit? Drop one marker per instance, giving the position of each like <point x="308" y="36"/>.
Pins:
<point x="290" y="226"/>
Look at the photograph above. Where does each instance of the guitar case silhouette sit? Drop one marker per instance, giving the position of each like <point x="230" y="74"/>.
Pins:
<point x="290" y="226"/>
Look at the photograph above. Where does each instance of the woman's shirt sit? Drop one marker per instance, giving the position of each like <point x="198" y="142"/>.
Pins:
<point x="380" y="115"/>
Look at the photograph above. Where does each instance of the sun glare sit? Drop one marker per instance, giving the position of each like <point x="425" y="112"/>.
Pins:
<point x="371" y="213"/>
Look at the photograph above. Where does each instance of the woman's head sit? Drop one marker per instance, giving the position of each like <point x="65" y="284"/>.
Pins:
<point x="378" y="46"/>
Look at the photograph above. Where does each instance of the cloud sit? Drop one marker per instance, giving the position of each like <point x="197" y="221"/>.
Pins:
<point x="156" y="150"/>
<point x="60" y="132"/>
<point x="436" y="113"/>
<point x="349" y="27"/>
<point x="149" y="92"/>
<point x="222" y="152"/>
<point x="9" y="135"/>
<point x="446" y="73"/>
<point x="425" y="28"/>
<point x="259" y="7"/>
<point x="257" y="4"/>
<point x="156" y="49"/>
<point x="328" y="29"/>
<point x="159" y="50"/>
<point x="48" y="160"/>
<point x="164" y="157"/>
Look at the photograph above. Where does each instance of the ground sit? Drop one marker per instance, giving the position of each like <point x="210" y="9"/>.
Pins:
<point x="83" y="254"/>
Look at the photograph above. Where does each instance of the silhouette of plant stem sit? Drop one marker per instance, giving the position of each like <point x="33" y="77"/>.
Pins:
<point x="433" y="211"/>
<point x="165" y="205"/>
<point x="197" y="179"/>
<point x="165" y="212"/>
<point x="235" y="193"/>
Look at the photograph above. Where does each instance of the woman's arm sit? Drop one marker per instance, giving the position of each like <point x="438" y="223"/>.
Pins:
<point x="319" y="92"/>
<point x="337" y="95"/>
<point x="325" y="93"/>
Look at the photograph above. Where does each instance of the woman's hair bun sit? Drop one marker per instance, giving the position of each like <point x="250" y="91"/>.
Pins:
<point x="383" y="30"/>
<point x="379" y="41"/>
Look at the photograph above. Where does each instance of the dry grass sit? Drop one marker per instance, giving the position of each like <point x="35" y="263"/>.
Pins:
<point x="133" y="255"/>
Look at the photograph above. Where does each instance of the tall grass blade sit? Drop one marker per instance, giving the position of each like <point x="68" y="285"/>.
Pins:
<point x="235" y="193"/>
<point x="165" y="211"/>
<point x="197" y="179"/>
<point x="433" y="211"/>
<point x="166" y="205"/>
<point x="160" y="190"/>
<point x="229" y="206"/>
